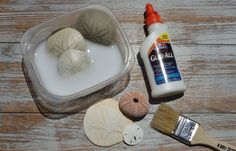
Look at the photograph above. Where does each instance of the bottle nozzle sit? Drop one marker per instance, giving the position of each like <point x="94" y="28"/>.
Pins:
<point x="151" y="15"/>
<point x="149" y="9"/>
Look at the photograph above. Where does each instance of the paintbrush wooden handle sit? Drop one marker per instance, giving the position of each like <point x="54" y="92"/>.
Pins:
<point x="201" y="138"/>
<point x="221" y="146"/>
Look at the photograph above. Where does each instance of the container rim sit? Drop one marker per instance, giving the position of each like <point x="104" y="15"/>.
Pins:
<point x="128" y="61"/>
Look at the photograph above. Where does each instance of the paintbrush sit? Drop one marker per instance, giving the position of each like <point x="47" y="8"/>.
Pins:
<point x="171" y="123"/>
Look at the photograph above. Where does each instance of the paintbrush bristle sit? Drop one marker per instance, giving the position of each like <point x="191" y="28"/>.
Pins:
<point x="165" y="119"/>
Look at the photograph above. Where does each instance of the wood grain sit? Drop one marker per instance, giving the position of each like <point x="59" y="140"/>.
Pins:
<point x="34" y="132"/>
<point x="190" y="21"/>
<point x="204" y="37"/>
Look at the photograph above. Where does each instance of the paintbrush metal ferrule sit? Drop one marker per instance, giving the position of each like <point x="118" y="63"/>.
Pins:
<point x="185" y="129"/>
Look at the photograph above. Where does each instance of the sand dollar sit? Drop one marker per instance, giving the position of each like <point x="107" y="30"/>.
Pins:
<point x="133" y="134"/>
<point x="72" y="61"/>
<point x="97" y="26"/>
<point x="104" y="123"/>
<point x="65" y="39"/>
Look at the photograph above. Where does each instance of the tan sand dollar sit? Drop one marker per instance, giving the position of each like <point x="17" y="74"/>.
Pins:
<point x="72" y="61"/>
<point x="97" y="26"/>
<point x="104" y="123"/>
<point x="65" y="39"/>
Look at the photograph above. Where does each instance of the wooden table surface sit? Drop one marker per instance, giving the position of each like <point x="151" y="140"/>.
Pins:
<point x="204" y="40"/>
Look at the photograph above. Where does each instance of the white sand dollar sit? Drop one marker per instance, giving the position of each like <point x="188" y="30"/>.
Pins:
<point x="65" y="39"/>
<point x="104" y="123"/>
<point x="133" y="134"/>
<point x="72" y="61"/>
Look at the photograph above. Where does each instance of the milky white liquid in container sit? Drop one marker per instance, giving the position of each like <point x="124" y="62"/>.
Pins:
<point x="106" y="61"/>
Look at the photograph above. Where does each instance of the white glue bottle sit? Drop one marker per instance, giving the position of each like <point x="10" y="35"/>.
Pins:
<point x="156" y="52"/>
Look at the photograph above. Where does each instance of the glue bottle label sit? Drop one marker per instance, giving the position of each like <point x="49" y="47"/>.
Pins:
<point x="163" y="61"/>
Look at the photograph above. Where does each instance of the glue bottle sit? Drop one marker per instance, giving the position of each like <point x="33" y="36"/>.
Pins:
<point x="157" y="54"/>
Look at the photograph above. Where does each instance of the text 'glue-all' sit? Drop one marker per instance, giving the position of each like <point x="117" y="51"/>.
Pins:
<point x="156" y="52"/>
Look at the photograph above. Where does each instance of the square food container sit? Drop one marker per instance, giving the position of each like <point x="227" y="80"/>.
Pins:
<point x="82" y="99"/>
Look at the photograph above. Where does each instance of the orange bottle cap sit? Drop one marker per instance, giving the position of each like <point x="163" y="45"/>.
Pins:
<point x="151" y="15"/>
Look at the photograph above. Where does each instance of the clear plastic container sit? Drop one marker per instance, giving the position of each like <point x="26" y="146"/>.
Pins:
<point x="82" y="99"/>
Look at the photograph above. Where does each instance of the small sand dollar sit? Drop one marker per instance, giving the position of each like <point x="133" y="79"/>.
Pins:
<point x="104" y="123"/>
<point x="65" y="39"/>
<point x="133" y="134"/>
<point x="72" y="61"/>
